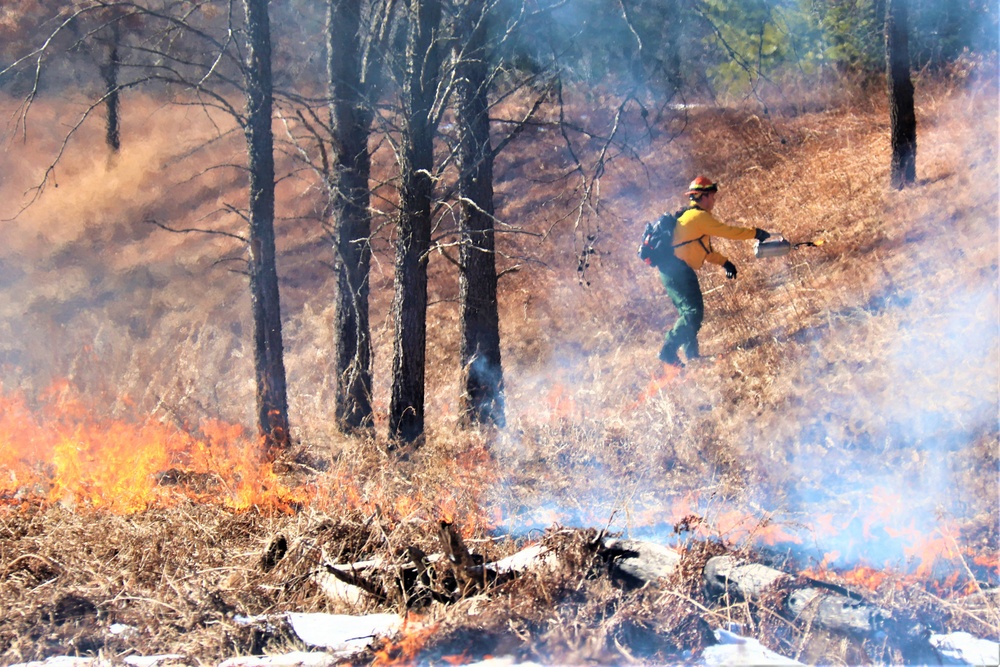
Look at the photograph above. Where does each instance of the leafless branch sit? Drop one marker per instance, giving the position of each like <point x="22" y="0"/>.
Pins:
<point x="190" y="230"/>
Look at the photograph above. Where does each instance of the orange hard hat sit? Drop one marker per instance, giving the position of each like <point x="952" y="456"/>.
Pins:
<point x="702" y="184"/>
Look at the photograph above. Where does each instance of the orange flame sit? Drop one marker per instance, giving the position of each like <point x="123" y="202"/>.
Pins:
<point x="413" y="636"/>
<point x="657" y="383"/>
<point x="991" y="562"/>
<point x="866" y="577"/>
<point x="62" y="453"/>
<point x="561" y="403"/>
<point x="928" y="549"/>
<point x="736" y="526"/>
<point x="732" y="526"/>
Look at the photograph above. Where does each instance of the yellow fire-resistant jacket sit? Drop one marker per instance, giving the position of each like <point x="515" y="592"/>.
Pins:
<point x="693" y="237"/>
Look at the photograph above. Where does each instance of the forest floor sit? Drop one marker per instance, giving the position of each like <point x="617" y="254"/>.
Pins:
<point x="844" y="423"/>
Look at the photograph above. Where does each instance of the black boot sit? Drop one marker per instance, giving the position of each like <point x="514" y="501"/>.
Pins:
<point x="668" y="355"/>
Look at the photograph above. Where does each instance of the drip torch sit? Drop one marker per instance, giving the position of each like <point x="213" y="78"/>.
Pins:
<point x="777" y="245"/>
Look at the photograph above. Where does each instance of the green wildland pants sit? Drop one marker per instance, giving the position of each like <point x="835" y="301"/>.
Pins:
<point x="681" y="283"/>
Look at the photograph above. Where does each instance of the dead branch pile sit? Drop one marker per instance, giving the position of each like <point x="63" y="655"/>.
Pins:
<point x="582" y="595"/>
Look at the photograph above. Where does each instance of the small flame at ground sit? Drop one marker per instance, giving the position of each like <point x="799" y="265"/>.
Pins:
<point x="561" y="404"/>
<point x="657" y="383"/>
<point x="413" y="636"/>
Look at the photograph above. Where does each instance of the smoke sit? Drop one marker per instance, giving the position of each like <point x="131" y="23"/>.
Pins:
<point x="864" y="435"/>
<point x="96" y="293"/>
<point x="891" y="464"/>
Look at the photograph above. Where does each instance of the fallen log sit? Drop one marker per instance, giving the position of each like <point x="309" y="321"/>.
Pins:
<point x="442" y="577"/>
<point x="347" y="584"/>
<point x="815" y="604"/>
<point x="639" y="563"/>
<point x="456" y="573"/>
<point x="824" y="605"/>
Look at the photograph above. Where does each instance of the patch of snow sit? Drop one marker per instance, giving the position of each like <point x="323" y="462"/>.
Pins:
<point x="961" y="648"/>
<point x="358" y="565"/>
<point x="120" y="629"/>
<point x="502" y="661"/>
<point x="152" y="660"/>
<point x="341" y="632"/>
<point x="240" y="619"/>
<point x="293" y="659"/>
<point x="736" y="650"/>
<point x="66" y="661"/>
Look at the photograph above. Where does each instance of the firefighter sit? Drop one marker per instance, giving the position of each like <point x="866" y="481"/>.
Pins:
<point x="692" y="243"/>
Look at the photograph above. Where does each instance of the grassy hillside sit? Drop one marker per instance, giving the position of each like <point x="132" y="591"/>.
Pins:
<point x="848" y="416"/>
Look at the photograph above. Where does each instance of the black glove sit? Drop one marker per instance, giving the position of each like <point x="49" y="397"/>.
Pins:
<point x="761" y="235"/>
<point x="730" y="269"/>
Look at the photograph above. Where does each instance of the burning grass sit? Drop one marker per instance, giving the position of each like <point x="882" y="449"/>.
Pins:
<point x="63" y="454"/>
<point x="845" y="427"/>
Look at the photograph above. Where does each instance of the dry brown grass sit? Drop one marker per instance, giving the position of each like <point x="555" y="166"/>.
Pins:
<point x="852" y="406"/>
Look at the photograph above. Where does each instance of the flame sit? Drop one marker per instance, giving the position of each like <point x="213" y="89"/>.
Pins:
<point x="413" y="636"/>
<point x="829" y="558"/>
<point x="866" y="576"/>
<point x="408" y="506"/>
<point x="935" y="562"/>
<point x="732" y="526"/>
<point x="561" y="404"/>
<point x="928" y="549"/>
<point x="990" y="562"/>
<point x="62" y="453"/>
<point x="935" y="559"/>
<point x="446" y="508"/>
<point x="736" y="526"/>
<point x="657" y="383"/>
<point x="822" y="571"/>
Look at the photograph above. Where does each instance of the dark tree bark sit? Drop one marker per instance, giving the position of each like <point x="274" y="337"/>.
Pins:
<point x="423" y="65"/>
<point x="350" y="194"/>
<point x="482" y="399"/>
<point x="673" y="32"/>
<point x="269" y="363"/>
<point x="109" y="72"/>
<point x="903" y="119"/>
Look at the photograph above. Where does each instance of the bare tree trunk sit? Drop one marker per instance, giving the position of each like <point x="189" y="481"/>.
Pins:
<point x="269" y="364"/>
<point x="672" y="59"/>
<point x="903" y="167"/>
<point x="349" y="188"/>
<point x="406" y="409"/>
<point x="482" y="399"/>
<point x="878" y="16"/>
<point x="109" y="72"/>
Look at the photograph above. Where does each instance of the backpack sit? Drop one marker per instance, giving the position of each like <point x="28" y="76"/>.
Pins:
<point x="657" y="247"/>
